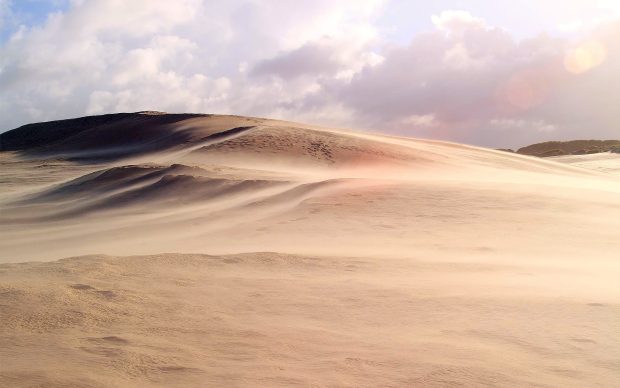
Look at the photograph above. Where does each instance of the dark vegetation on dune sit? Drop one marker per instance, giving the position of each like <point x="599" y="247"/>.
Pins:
<point x="118" y="134"/>
<point x="573" y="147"/>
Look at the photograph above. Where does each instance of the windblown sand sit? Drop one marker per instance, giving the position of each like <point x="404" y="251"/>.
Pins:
<point x="378" y="261"/>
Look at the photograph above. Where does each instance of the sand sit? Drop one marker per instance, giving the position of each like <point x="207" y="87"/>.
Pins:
<point x="606" y="162"/>
<point x="369" y="260"/>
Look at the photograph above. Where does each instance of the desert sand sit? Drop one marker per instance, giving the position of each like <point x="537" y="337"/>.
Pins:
<point x="153" y="250"/>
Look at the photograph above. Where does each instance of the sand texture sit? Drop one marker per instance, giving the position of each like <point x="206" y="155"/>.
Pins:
<point x="154" y="250"/>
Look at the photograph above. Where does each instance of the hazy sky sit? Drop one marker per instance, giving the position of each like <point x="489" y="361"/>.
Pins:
<point x="491" y="73"/>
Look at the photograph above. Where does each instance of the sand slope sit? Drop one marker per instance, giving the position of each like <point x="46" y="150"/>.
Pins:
<point x="269" y="319"/>
<point x="400" y="262"/>
<point x="606" y="162"/>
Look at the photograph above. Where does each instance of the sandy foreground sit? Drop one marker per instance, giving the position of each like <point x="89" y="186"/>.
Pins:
<point x="373" y="261"/>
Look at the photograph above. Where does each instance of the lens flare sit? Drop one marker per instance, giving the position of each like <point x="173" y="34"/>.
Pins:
<point x="585" y="57"/>
<point x="524" y="90"/>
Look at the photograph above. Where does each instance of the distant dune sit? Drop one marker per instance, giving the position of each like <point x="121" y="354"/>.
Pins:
<point x="573" y="147"/>
<point x="156" y="250"/>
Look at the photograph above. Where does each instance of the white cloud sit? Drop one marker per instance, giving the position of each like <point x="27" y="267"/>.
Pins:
<point x="424" y="121"/>
<point x="457" y="22"/>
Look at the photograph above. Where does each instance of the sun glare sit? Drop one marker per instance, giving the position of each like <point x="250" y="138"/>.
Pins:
<point x="586" y="56"/>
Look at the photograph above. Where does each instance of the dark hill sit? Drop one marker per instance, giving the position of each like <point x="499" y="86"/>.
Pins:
<point x="121" y="131"/>
<point x="573" y="147"/>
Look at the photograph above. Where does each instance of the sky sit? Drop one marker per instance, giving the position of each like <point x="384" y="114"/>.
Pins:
<point x="495" y="73"/>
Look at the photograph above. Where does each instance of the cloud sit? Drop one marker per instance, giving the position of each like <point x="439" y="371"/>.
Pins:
<point x="5" y="14"/>
<point x="457" y="22"/>
<point x="518" y="125"/>
<point x="311" y="59"/>
<point x="328" y="56"/>
<point x="107" y="55"/>
<point x="475" y="79"/>
<point x="322" y="62"/>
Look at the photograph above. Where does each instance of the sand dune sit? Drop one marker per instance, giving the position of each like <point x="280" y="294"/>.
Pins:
<point x="606" y="162"/>
<point x="400" y="262"/>
<point x="139" y="187"/>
